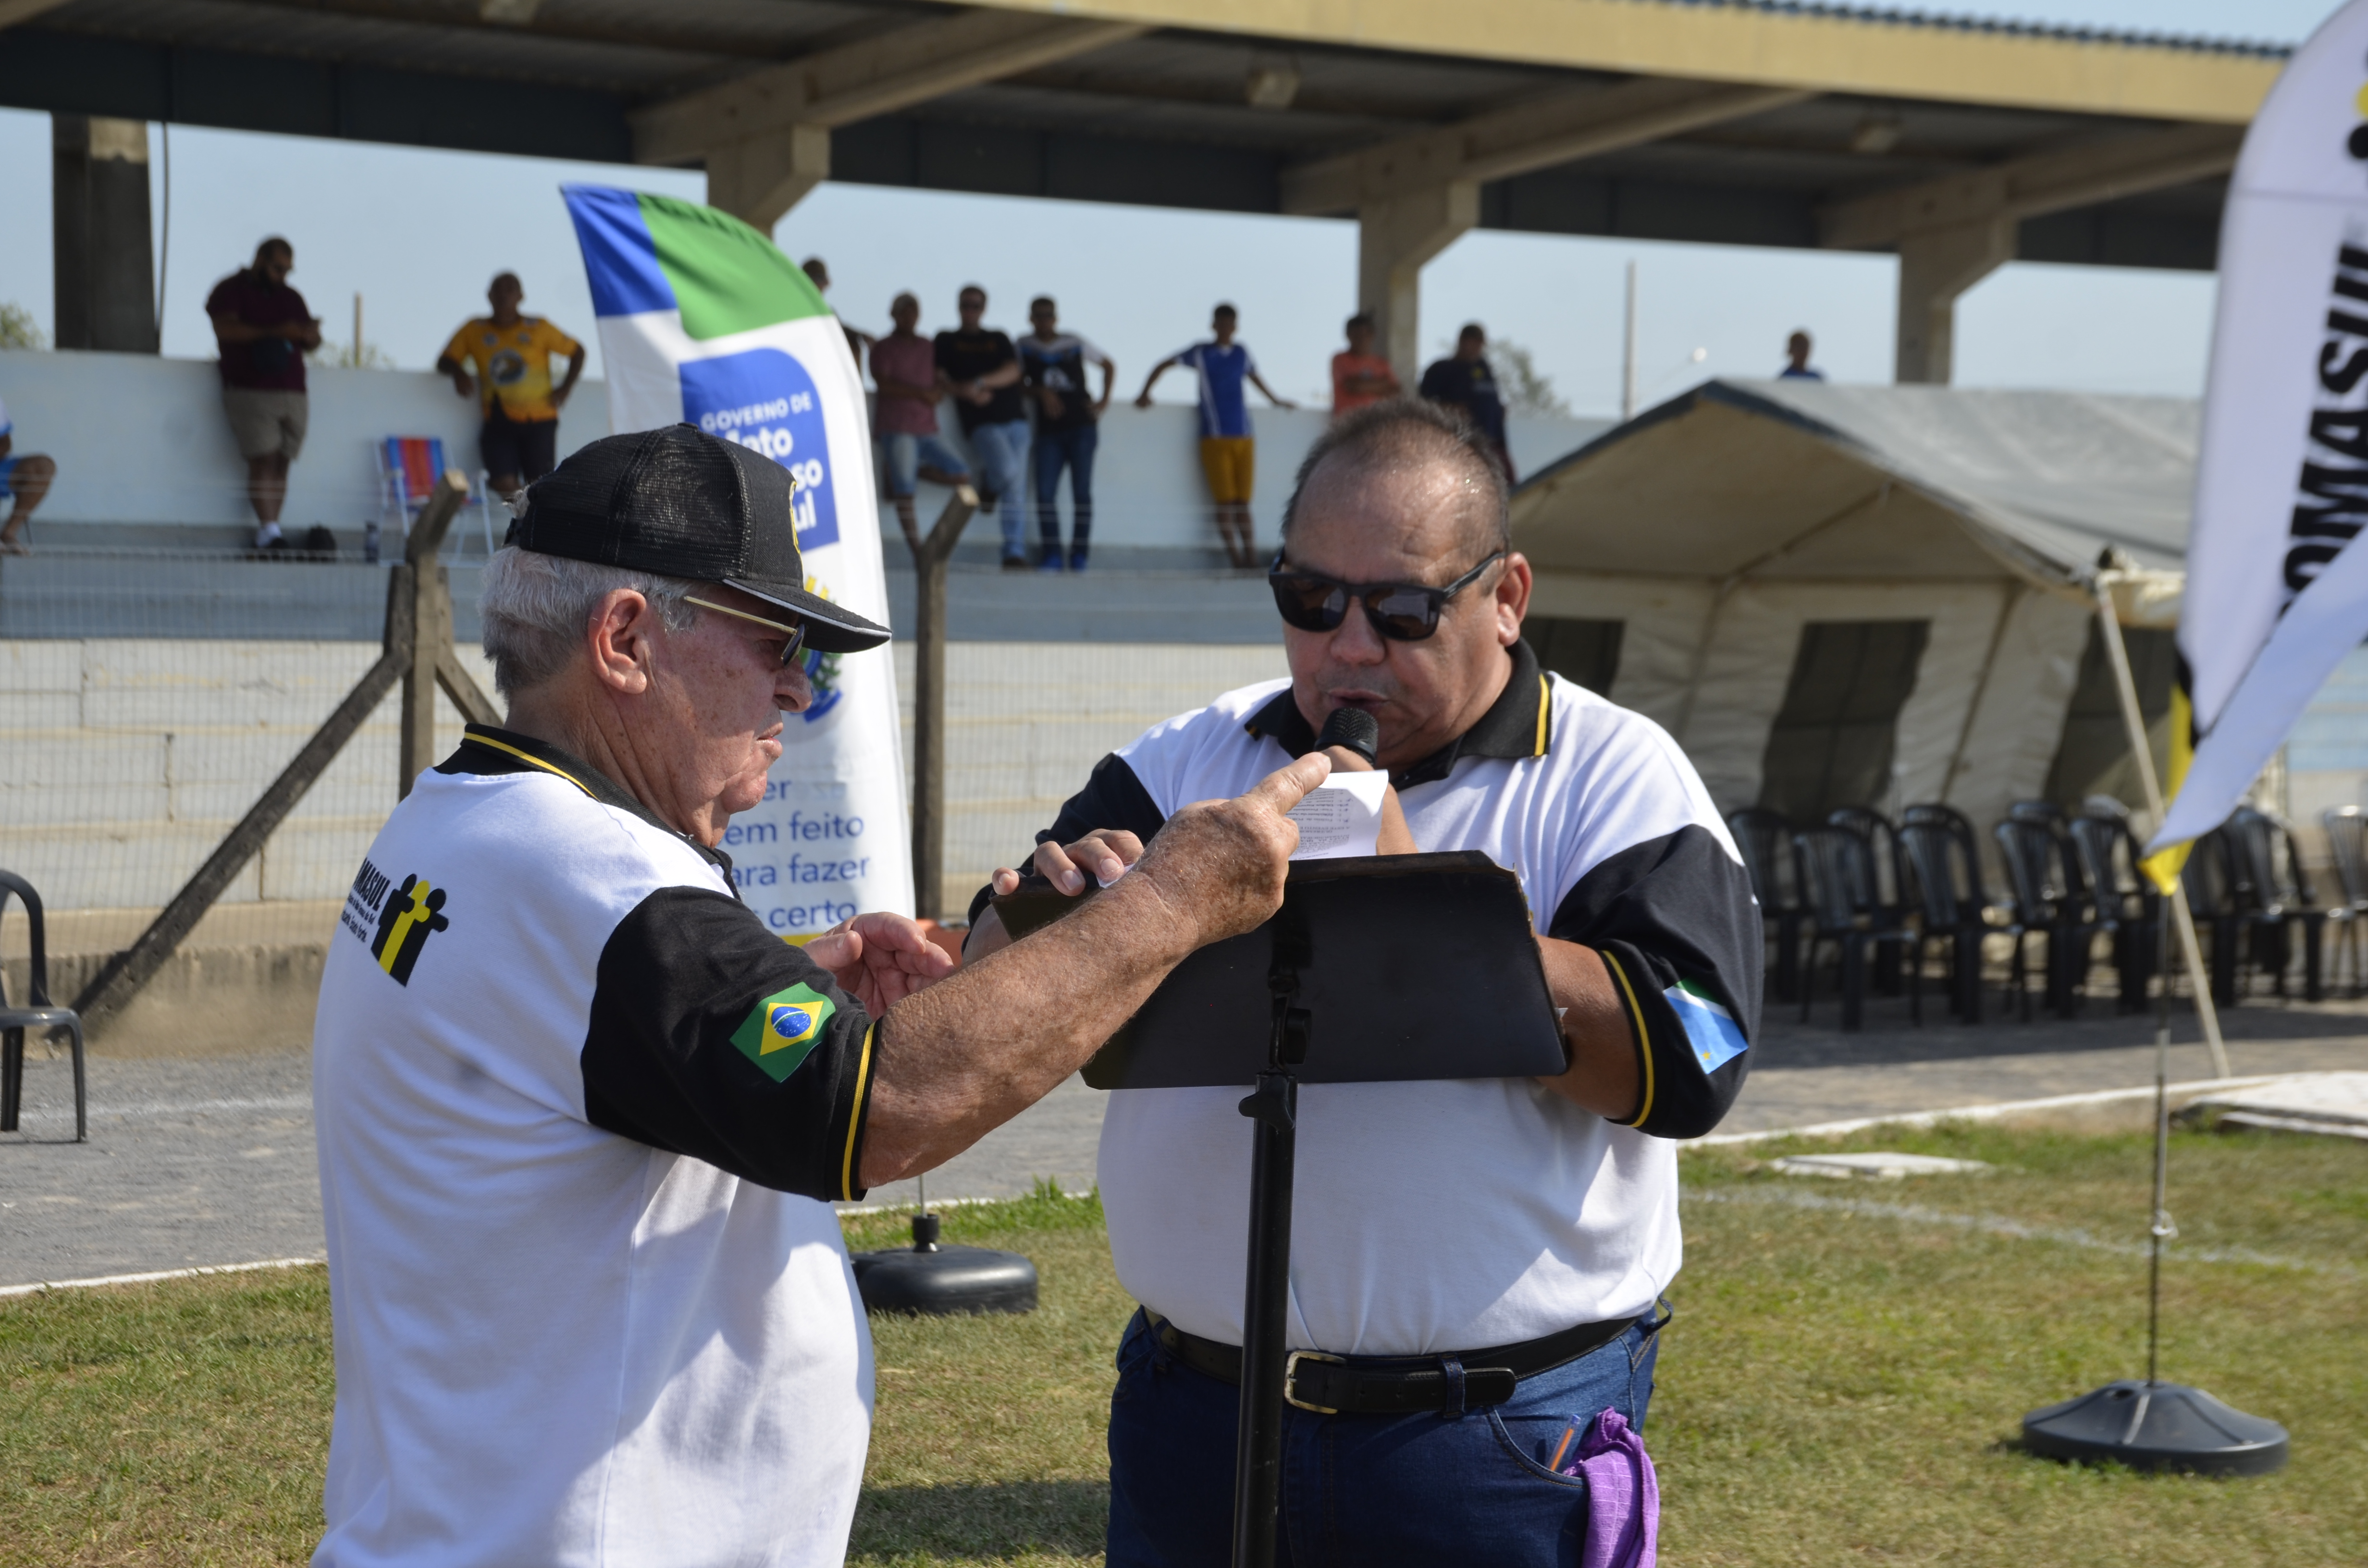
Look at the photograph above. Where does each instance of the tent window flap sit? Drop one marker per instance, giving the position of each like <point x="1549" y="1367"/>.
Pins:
<point x="2093" y="756"/>
<point x="1585" y="652"/>
<point x="1832" y="741"/>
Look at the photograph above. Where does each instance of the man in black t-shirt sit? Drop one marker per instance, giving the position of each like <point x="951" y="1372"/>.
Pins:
<point x="980" y="370"/>
<point x="1467" y="382"/>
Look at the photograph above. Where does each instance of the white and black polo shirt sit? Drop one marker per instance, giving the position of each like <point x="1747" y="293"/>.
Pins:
<point x="1454" y="1216"/>
<point x="579" y="1114"/>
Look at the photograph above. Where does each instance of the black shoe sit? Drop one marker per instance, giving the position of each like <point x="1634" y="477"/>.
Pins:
<point x="1015" y="563"/>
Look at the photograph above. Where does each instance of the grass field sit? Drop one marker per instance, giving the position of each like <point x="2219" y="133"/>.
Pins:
<point x="1842" y="1384"/>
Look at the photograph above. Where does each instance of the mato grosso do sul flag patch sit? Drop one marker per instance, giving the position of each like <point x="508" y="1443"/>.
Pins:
<point x="781" y="1031"/>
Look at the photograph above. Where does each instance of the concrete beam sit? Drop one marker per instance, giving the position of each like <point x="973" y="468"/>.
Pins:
<point x="102" y="254"/>
<point x="1873" y="54"/>
<point x="1522" y="139"/>
<point x="1935" y="266"/>
<point x="1953" y="232"/>
<point x="1394" y="238"/>
<point x="15" y="11"/>
<point x="758" y="179"/>
<point x="857" y="81"/>
<point x="2028" y="187"/>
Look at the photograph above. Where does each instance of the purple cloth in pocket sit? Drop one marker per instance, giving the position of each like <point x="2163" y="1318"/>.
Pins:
<point x="1623" y="1497"/>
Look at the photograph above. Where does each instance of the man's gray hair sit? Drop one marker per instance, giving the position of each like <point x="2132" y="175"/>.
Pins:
<point x="535" y="607"/>
<point x="1407" y="430"/>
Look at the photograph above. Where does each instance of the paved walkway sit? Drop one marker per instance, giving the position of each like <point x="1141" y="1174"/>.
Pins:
<point x="196" y="1163"/>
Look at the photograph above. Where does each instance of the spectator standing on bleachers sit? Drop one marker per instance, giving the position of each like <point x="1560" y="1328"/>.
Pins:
<point x="1796" y="360"/>
<point x="25" y="478"/>
<point x="263" y="330"/>
<point x="1360" y="376"/>
<point x="981" y="368"/>
<point x="511" y="354"/>
<point x="818" y="274"/>
<point x="904" y="368"/>
<point x="1069" y="429"/>
<point x="1228" y="453"/>
<point x="1464" y="382"/>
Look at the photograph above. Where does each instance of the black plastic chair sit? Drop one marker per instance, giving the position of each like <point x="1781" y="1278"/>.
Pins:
<point x="16" y="1020"/>
<point x="2276" y="898"/>
<point x="1833" y="863"/>
<point x="2050" y="901"/>
<point x="2347" y="842"/>
<point x="1937" y="844"/>
<point x="2208" y="876"/>
<point x="1882" y="894"/>
<point x="2125" y="903"/>
<point x="1765" y="841"/>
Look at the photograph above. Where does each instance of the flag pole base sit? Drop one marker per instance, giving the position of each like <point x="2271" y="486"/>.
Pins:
<point x="943" y="1281"/>
<point x="2156" y="1426"/>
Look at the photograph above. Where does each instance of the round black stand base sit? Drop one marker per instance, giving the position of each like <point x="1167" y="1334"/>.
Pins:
<point x="943" y="1281"/>
<point x="2156" y="1426"/>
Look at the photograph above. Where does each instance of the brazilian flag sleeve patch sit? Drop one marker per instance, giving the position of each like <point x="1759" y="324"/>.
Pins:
<point x="781" y="1031"/>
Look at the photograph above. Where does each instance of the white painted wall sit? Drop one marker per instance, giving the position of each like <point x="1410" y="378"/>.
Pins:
<point x="142" y="440"/>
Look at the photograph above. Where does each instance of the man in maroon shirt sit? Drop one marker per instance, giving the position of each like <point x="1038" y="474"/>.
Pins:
<point x="263" y="330"/>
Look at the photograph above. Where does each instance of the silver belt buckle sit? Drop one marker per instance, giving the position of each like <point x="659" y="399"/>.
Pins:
<point x="1291" y="1379"/>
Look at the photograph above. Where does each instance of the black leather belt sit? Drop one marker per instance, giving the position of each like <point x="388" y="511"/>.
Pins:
<point x="1399" y="1385"/>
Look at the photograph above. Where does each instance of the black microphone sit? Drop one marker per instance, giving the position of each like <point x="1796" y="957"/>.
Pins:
<point x="1353" y="729"/>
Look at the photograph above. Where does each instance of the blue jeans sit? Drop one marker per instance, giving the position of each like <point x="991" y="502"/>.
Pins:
<point x="1074" y="446"/>
<point x="1002" y="453"/>
<point x="908" y="454"/>
<point x="1409" y="1490"/>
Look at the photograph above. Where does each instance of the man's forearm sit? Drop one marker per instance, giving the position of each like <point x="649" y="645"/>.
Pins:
<point x="972" y="1051"/>
<point x="1602" y="1076"/>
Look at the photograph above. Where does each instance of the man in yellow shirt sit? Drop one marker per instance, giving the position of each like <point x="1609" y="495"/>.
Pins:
<point x="511" y="355"/>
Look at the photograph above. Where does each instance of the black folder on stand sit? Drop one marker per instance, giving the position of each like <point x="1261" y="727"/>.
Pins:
<point x="1380" y="969"/>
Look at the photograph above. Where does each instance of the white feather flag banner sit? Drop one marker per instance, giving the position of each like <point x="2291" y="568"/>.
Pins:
<point x="2277" y="591"/>
<point x="703" y="320"/>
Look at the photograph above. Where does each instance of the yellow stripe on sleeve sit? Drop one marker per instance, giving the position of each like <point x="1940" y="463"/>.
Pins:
<point x="1644" y="1037"/>
<point x="1546" y="713"/>
<point x="855" y="1117"/>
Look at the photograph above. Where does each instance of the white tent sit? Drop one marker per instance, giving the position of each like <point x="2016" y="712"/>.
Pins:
<point x="1721" y="528"/>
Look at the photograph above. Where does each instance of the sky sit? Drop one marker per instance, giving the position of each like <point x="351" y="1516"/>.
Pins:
<point x="1138" y="281"/>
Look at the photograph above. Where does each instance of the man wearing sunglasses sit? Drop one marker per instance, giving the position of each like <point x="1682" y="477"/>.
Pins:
<point x="1475" y="1265"/>
<point x="582" y="1115"/>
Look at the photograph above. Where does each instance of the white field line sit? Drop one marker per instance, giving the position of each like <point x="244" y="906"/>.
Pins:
<point x="2178" y="1092"/>
<point x="44" y="1287"/>
<point x="1998" y="1225"/>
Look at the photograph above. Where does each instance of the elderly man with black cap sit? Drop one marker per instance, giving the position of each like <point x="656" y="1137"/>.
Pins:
<point x="580" y="1114"/>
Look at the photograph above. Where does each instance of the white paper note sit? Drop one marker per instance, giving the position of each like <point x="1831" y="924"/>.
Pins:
<point x="1341" y="816"/>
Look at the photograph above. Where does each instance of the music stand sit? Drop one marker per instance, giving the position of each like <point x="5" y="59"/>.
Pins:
<point x="1374" y="947"/>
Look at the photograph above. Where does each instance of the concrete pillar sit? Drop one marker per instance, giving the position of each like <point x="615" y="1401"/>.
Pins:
<point x="1394" y="237"/>
<point x="758" y="180"/>
<point x="106" y="270"/>
<point x="1935" y="266"/>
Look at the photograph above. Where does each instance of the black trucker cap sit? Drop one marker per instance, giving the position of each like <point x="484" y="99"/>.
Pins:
<point x="678" y="502"/>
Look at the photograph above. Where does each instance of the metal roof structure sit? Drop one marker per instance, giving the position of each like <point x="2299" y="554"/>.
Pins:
<point x="1735" y="121"/>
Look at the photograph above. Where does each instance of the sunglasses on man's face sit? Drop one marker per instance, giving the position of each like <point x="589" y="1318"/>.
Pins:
<point x="1403" y="612"/>
<point x="796" y="634"/>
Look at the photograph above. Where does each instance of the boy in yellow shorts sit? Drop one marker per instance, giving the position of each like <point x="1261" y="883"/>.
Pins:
<point x="1228" y="453"/>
